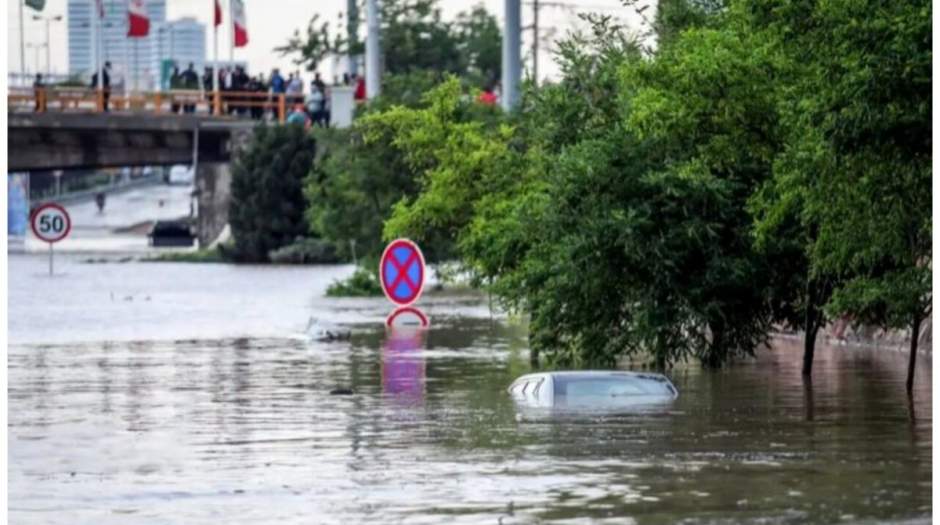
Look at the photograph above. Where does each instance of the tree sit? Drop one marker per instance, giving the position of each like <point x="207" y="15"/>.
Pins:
<point x="856" y="166"/>
<point x="414" y="39"/>
<point x="267" y="207"/>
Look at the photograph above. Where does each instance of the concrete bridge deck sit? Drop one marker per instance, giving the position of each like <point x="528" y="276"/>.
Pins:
<point x="53" y="141"/>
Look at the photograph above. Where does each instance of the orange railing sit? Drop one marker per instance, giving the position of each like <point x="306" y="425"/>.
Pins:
<point x="221" y="103"/>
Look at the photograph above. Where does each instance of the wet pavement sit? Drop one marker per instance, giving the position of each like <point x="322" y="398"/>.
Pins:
<point x="187" y="393"/>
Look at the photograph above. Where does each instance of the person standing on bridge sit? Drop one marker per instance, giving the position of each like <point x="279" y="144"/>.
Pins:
<point x="39" y="89"/>
<point x="190" y="81"/>
<point x="105" y="83"/>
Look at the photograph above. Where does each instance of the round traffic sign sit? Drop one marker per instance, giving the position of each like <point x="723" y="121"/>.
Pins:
<point x="401" y="271"/>
<point x="51" y="223"/>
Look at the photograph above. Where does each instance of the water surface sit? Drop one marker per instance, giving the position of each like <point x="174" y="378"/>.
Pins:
<point x="204" y="404"/>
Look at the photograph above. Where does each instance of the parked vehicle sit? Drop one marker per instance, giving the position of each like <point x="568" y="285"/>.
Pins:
<point x="591" y="389"/>
<point x="171" y="233"/>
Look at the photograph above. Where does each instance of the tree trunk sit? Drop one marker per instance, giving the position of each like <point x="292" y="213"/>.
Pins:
<point x="912" y="359"/>
<point x="810" y="328"/>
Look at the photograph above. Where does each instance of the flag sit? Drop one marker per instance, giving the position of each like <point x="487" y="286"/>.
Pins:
<point x="138" y="25"/>
<point x="36" y="4"/>
<point x="238" y="23"/>
<point x="100" y="5"/>
<point x="218" y="13"/>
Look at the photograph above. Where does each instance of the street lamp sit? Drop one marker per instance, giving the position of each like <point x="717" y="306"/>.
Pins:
<point x="37" y="47"/>
<point x="48" y="19"/>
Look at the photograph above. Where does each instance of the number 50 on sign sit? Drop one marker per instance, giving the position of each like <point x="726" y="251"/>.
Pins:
<point x="51" y="223"/>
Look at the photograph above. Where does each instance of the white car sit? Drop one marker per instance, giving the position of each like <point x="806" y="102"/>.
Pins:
<point x="181" y="174"/>
<point x="601" y="389"/>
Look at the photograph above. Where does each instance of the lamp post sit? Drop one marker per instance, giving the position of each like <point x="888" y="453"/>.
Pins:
<point x="48" y="19"/>
<point x="37" y="47"/>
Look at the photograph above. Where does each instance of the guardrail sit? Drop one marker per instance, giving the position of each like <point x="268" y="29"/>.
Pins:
<point x="241" y="103"/>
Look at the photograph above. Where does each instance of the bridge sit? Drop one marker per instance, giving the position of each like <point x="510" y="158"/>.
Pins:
<point x="63" y="141"/>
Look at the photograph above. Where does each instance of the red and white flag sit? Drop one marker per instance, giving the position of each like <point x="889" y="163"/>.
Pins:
<point x="138" y="25"/>
<point x="218" y="13"/>
<point x="238" y="23"/>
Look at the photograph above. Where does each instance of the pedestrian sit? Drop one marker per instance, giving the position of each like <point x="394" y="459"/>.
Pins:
<point x="299" y="116"/>
<point x="487" y="97"/>
<point x="315" y="104"/>
<point x="208" y="87"/>
<point x="176" y="83"/>
<point x="105" y="86"/>
<point x="360" y="94"/>
<point x="39" y="92"/>
<point x="190" y="81"/>
<point x="295" y="89"/>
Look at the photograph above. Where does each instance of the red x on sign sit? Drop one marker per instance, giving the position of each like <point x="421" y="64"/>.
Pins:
<point x="401" y="271"/>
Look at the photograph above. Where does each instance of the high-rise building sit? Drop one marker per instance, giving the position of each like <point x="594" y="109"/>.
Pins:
<point x="181" y="41"/>
<point x="138" y="60"/>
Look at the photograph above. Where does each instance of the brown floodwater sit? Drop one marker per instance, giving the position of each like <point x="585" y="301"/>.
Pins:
<point x="188" y="394"/>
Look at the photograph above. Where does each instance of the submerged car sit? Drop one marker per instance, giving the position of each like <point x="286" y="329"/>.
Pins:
<point x="591" y="389"/>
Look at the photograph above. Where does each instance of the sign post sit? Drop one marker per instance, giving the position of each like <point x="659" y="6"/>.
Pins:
<point x="401" y="272"/>
<point x="51" y="223"/>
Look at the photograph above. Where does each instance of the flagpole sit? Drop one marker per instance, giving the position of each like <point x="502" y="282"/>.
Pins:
<point x="215" y="49"/>
<point x="127" y="60"/>
<point x="96" y="26"/>
<point x="22" y="45"/>
<point x="231" y="34"/>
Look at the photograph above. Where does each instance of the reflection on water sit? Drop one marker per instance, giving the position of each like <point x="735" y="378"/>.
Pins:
<point x="245" y="430"/>
<point x="403" y="370"/>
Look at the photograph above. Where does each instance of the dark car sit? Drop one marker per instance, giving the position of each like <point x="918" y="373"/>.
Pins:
<point x="171" y="233"/>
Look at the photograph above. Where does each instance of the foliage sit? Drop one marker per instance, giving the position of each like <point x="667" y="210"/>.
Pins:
<point x="352" y="188"/>
<point x="305" y="251"/>
<point x="414" y="38"/>
<point x="362" y="283"/>
<point x="267" y="206"/>
<point x="203" y="255"/>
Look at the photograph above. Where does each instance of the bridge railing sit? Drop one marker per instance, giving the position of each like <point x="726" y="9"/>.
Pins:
<point x="83" y="99"/>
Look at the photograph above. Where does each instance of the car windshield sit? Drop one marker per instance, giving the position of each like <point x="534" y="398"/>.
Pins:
<point x="569" y="387"/>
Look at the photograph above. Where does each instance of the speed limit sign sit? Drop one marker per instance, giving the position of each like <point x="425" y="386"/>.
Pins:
<point x="51" y="223"/>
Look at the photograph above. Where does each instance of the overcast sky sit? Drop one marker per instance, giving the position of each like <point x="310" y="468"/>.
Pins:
<point x="270" y="22"/>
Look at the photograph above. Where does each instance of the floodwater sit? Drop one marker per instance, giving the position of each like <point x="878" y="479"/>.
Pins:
<point x="176" y="393"/>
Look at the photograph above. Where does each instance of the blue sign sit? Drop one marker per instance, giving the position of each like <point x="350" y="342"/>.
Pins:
<point x="17" y="204"/>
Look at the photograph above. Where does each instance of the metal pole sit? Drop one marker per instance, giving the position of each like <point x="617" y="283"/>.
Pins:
<point x="535" y="42"/>
<point x="373" y="50"/>
<point x="511" y="60"/>
<point x="231" y="35"/>
<point x="22" y="43"/>
<point x="95" y="15"/>
<point x="126" y="44"/>
<point x="50" y="259"/>
<point x="48" y="54"/>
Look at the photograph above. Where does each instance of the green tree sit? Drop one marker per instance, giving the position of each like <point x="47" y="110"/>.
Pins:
<point x="857" y="160"/>
<point x="267" y="207"/>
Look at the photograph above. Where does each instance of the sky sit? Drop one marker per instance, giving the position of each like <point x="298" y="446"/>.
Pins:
<point x="271" y="22"/>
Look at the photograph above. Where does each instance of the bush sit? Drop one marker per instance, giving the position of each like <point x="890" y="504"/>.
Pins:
<point x="267" y="207"/>
<point x="306" y="251"/>
<point x="363" y="283"/>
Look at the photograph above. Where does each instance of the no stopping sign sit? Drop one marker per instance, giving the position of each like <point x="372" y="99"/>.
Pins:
<point x="51" y="223"/>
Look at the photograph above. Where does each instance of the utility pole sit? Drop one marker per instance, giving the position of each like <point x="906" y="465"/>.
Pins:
<point x="512" y="66"/>
<point x="535" y="42"/>
<point x="373" y="51"/>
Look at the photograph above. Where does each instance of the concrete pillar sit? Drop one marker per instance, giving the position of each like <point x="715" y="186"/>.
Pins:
<point x="373" y="51"/>
<point x="512" y="63"/>
<point x="213" y="194"/>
